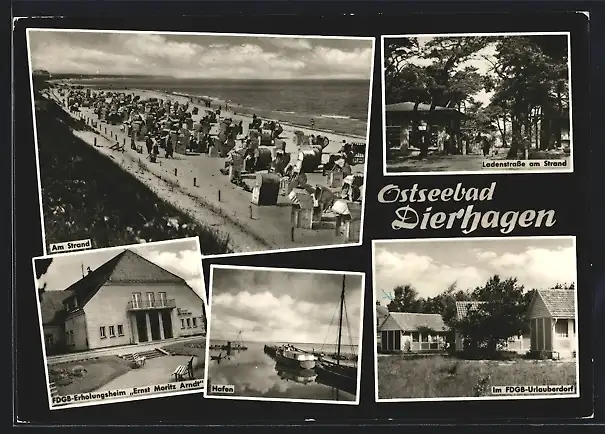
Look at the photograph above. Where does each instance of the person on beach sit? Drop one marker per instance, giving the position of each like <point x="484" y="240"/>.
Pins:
<point x="149" y="144"/>
<point x="312" y="123"/>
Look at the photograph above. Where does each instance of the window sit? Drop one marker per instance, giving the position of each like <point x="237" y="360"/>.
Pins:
<point x="415" y="337"/>
<point x="188" y="323"/>
<point x="162" y="296"/>
<point x="120" y="330"/>
<point x="102" y="331"/>
<point x="49" y="340"/>
<point x="425" y="338"/>
<point x="151" y="299"/>
<point x="573" y="324"/>
<point x="136" y="300"/>
<point x="112" y="332"/>
<point x="182" y="323"/>
<point x="194" y="320"/>
<point x="561" y="329"/>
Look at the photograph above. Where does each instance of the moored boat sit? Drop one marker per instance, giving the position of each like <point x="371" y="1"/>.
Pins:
<point x="291" y="356"/>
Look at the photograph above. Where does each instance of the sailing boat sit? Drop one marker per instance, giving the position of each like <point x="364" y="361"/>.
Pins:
<point x="238" y="344"/>
<point x="337" y="372"/>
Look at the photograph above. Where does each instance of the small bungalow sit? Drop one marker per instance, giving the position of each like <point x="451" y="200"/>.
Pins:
<point x="402" y="331"/>
<point x="409" y="124"/>
<point x="552" y="319"/>
<point x="519" y="344"/>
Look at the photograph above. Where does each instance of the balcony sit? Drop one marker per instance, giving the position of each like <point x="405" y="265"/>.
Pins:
<point x="151" y="304"/>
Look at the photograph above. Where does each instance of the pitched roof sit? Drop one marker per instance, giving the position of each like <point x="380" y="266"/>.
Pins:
<point x="127" y="267"/>
<point x="462" y="307"/>
<point x="413" y="321"/>
<point x="51" y="306"/>
<point x="561" y="303"/>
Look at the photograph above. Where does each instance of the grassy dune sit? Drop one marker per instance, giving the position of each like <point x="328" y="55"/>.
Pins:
<point x="437" y="376"/>
<point x="86" y="196"/>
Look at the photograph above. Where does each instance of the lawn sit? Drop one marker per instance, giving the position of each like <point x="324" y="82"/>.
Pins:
<point x="86" y="375"/>
<point x="195" y="348"/>
<point x="438" y="376"/>
<point x="86" y="196"/>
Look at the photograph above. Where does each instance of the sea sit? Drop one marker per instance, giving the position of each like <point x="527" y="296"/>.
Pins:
<point x="255" y="374"/>
<point x="340" y="103"/>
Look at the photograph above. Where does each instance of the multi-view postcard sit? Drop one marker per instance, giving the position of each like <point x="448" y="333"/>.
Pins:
<point x="476" y="319"/>
<point x="477" y="103"/>
<point x="253" y="143"/>
<point x="277" y="334"/>
<point x="122" y="324"/>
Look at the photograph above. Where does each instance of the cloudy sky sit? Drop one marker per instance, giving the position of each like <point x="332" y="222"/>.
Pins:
<point x="180" y="257"/>
<point x="283" y="306"/>
<point x="199" y="56"/>
<point x="431" y="266"/>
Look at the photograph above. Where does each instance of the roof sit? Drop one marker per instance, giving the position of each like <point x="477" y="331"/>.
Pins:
<point x="414" y="321"/>
<point x="409" y="107"/>
<point x="561" y="303"/>
<point x="462" y="307"/>
<point x="51" y="306"/>
<point x="127" y="267"/>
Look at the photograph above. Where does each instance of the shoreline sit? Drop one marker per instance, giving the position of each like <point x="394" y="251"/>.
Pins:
<point x="357" y="129"/>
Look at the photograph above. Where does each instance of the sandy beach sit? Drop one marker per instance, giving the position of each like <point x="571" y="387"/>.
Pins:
<point x="194" y="184"/>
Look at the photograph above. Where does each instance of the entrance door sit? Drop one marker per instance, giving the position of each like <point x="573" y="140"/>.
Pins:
<point x="154" y="322"/>
<point x="141" y="326"/>
<point x="167" y="323"/>
<point x="397" y="340"/>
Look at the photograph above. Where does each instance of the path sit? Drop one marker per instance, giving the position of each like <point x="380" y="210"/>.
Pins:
<point x="155" y="371"/>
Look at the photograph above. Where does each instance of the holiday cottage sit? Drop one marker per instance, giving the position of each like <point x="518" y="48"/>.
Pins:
<point x="552" y="319"/>
<point x="127" y="300"/>
<point x="412" y="332"/>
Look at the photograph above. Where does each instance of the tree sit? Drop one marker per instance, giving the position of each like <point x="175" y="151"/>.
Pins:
<point x="530" y="81"/>
<point x="41" y="267"/>
<point x="441" y="82"/>
<point x="405" y="299"/>
<point x="501" y="316"/>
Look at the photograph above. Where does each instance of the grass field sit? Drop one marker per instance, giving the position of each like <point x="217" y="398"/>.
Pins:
<point x="86" y="375"/>
<point x="86" y="196"/>
<point x="439" y="376"/>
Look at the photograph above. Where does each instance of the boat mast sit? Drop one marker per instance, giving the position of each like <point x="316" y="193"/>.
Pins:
<point x="342" y="302"/>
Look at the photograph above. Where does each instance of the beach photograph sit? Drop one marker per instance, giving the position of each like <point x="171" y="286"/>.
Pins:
<point x="476" y="319"/>
<point x="477" y="103"/>
<point x="253" y="143"/>
<point x="278" y="334"/>
<point x="122" y="324"/>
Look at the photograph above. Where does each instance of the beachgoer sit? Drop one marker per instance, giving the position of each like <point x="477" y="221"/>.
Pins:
<point x="149" y="144"/>
<point x="312" y="123"/>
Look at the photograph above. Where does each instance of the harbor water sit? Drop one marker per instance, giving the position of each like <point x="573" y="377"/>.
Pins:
<point x="253" y="373"/>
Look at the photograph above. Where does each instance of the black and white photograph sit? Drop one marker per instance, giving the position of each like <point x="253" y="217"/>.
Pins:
<point x="289" y="335"/>
<point x="253" y="143"/>
<point x="477" y="103"/>
<point x="476" y="319"/>
<point x="122" y="324"/>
